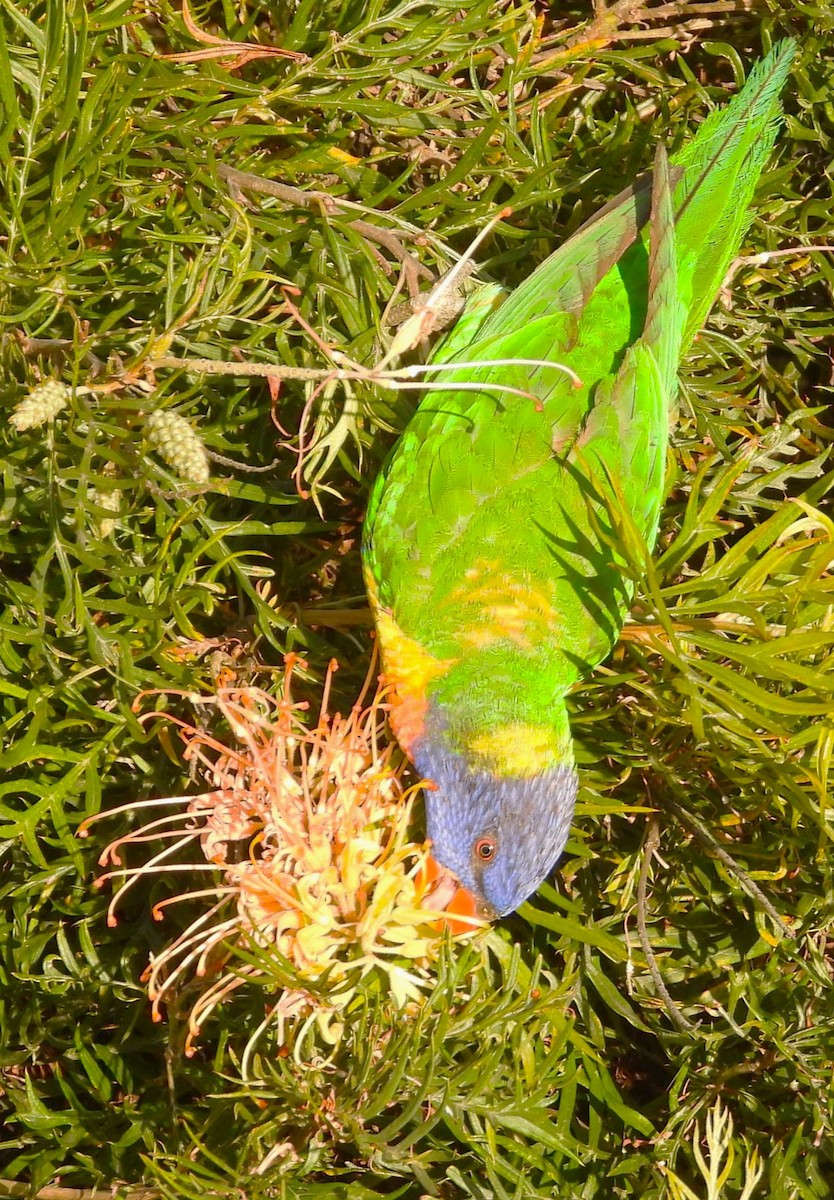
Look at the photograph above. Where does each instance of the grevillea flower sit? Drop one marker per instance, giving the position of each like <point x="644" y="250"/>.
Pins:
<point x="42" y="404"/>
<point x="178" y="444"/>
<point x="111" y="502"/>
<point x="328" y="876"/>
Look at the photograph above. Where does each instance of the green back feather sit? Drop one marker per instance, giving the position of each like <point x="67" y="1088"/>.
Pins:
<point x="490" y="498"/>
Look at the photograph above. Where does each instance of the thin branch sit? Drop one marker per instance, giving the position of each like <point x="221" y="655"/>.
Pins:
<point x="10" y="1187"/>
<point x="423" y="320"/>
<point x="55" y="348"/>
<point x="397" y="379"/>
<point x="649" y="848"/>
<point x="385" y="377"/>
<point x="753" y="890"/>
<point x="243" y="467"/>
<point x="328" y="618"/>
<point x="239" y="182"/>
<point x="606" y="27"/>
<point x="761" y="260"/>
<point x="231" y="54"/>
<point x="213" y="366"/>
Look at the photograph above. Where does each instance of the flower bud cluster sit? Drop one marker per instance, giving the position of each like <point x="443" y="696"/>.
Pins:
<point x="112" y="502"/>
<point x="178" y="445"/>
<point x="41" y="405"/>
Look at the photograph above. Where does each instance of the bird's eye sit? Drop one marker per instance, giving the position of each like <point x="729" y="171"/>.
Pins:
<point x="485" y="849"/>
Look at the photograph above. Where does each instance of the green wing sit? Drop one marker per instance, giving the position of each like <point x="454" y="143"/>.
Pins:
<point x="479" y="534"/>
<point x="714" y="179"/>
<point x="497" y="549"/>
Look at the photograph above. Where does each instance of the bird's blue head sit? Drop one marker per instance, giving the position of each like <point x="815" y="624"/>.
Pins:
<point x="500" y="835"/>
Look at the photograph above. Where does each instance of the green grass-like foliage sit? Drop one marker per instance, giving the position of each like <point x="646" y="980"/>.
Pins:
<point x="546" y="1062"/>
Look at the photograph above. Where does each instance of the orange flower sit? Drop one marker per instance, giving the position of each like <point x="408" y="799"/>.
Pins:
<point x="322" y="870"/>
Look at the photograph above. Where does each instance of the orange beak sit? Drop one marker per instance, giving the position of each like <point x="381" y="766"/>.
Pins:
<point x="459" y="909"/>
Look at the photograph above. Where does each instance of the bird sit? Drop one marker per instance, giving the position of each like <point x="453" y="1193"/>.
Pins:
<point x="489" y="553"/>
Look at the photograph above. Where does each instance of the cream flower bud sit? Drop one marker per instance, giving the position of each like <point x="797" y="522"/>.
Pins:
<point x="178" y="445"/>
<point x="41" y="405"/>
<point x="112" y="502"/>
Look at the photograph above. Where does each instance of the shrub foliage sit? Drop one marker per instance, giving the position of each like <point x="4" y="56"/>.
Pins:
<point x="656" y="1022"/>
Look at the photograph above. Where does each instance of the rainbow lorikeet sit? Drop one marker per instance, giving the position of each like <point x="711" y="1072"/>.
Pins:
<point x="493" y="582"/>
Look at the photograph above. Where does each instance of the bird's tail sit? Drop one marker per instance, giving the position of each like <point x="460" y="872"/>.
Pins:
<point x="721" y="168"/>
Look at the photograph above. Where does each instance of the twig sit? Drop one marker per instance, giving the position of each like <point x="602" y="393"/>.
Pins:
<point x="396" y="378"/>
<point x="239" y="182"/>
<point x="651" y="631"/>
<point x="231" y="55"/>
<point x="649" y="848"/>
<point x="244" y="467"/>
<point x="446" y="292"/>
<point x="761" y="259"/>
<point x="606" y="27"/>
<point x="215" y="366"/>
<point x="10" y="1187"/>
<point x="329" y="618"/>
<point x="711" y="842"/>
<point x="55" y="348"/>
